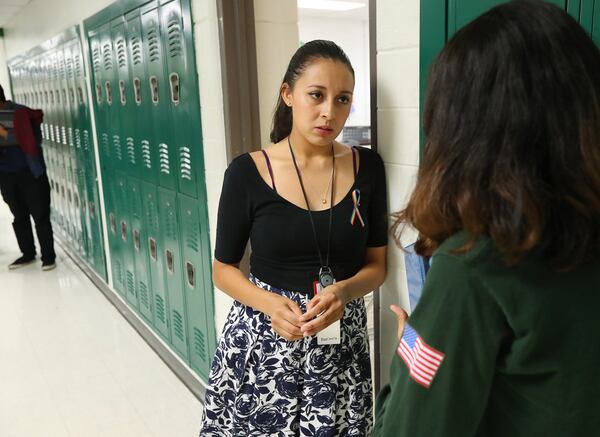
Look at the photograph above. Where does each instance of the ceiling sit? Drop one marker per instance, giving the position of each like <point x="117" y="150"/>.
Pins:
<point x="10" y="8"/>
<point x="355" y="14"/>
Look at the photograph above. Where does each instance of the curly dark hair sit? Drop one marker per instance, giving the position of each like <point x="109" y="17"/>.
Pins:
<point x="512" y="151"/>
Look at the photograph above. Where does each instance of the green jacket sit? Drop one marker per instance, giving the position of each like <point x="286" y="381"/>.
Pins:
<point x="520" y="348"/>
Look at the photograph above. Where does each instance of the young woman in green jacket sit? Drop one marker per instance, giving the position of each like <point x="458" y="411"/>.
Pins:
<point x="507" y="203"/>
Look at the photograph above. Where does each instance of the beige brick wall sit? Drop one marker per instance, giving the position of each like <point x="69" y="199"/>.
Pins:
<point x="398" y="140"/>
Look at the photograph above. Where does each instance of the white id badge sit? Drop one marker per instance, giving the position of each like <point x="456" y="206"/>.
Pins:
<point x="332" y="334"/>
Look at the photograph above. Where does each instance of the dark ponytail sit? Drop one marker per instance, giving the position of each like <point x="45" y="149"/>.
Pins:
<point x="307" y="53"/>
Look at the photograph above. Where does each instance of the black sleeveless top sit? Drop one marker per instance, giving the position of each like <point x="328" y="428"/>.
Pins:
<point x="283" y="247"/>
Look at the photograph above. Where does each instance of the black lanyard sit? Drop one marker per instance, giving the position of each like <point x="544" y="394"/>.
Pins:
<point x="325" y="274"/>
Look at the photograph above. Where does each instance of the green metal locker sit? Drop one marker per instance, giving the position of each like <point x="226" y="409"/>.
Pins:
<point x="177" y="37"/>
<point x="125" y="236"/>
<point x="155" y="260"/>
<point x="140" y="249"/>
<point x="114" y="232"/>
<point x="139" y="109"/>
<point x="198" y="285"/>
<point x="172" y="267"/>
<point x="158" y="103"/>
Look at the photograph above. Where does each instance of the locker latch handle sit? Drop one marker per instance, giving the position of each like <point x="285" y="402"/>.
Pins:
<point x="76" y="197"/>
<point x="51" y="97"/>
<point x="169" y="257"/>
<point x="46" y="97"/>
<point x="174" y="80"/>
<point x="152" y="246"/>
<point x="69" y="195"/>
<point x="122" y="92"/>
<point x="191" y="274"/>
<point x="113" y="223"/>
<point x="154" y="89"/>
<point x="136" y="239"/>
<point x="92" y="209"/>
<point x="71" y="95"/>
<point x="80" y="95"/>
<point x="137" y="90"/>
<point x="108" y="92"/>
<point x="64" y="95"/>
<point x="123" y="230"/>
<point x="98" y="93"/>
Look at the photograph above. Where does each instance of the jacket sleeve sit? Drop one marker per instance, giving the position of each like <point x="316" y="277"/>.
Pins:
<point x="458" y="317"/>
<point x="24" y="132"/>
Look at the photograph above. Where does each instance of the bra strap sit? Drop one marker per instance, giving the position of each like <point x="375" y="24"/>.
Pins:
<point x="270" y="168"/>
<point x="354" y="151"/>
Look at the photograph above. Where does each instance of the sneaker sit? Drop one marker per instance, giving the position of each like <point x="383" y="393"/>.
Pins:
<point x="48" y="265"/>
<point x="21" y="262"/>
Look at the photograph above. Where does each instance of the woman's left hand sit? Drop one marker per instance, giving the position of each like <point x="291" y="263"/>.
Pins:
<point x="328" y="307"/>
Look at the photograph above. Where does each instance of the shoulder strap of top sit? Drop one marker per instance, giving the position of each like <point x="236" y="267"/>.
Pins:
<point x="354" y="151"/>
<point x="270" y="168"/>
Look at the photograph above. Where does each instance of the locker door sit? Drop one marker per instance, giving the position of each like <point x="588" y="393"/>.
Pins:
<point x="586" y="14"/>
<point x="183" y="96"/>
<point x="111" y="96"/>
<point x="461" y="12"/>
<point x="198" y="286"/>
<point x="173" y="270"/>
<point x="125" y="237"/>
<point x="158" y="103"/>
<point x="139" y="109"/>
<point x="110" y="201"/>
<point x="100" y="105"/>
<point x="123" y="99"/>
<point x="155" y="260"/>
<point x="140" y="249"/>
<point x="596" y="23"/>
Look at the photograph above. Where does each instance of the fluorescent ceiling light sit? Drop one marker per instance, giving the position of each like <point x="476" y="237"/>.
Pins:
<point x="329" y="5"/>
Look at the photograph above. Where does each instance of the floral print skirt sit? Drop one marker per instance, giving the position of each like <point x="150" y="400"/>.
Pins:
<point x="263" y="385"/>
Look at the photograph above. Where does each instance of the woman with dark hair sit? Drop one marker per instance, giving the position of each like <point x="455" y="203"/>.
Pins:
<point x="508" y="204"/>
<point x="293" y="358"/>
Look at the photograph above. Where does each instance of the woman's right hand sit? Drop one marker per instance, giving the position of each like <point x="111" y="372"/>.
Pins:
<point x="401" y="316"/>
<point x="285" y="317"/>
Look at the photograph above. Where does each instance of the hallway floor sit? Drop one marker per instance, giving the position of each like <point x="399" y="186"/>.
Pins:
<point x="71" y="366"/>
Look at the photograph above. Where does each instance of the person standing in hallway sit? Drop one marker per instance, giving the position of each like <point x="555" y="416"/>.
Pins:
<point x="23" y="182"/>
<point x="502" y="342"/>
<point x="293" y="358"/>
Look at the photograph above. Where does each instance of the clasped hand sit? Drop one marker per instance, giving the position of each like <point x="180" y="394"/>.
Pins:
<point x="324" y="309"/>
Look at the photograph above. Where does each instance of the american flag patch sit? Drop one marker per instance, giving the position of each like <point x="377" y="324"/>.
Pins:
<point x="422" y="360"/>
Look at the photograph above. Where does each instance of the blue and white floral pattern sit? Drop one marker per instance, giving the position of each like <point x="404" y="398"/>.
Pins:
<point x="263" y="385"/>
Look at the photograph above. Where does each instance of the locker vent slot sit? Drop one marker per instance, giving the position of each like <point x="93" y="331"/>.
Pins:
<point x="119" y="269"/>
<point x="200" y="343"/>
<point x="163" y="153"/>
<point x="192" y="237"/>
<point x="107" y="55"/>
<point x="160" y="308"/>
<point x="105" y="144"/>
<point x="77" y="62"/>
<point x="131" y="150"/>
<point x="70" y="136"/>
<point x="178" y="325"/>
<point x="121" y="53"/>
<point x="64" y="135"/>
<point x="61" y="67"/>
<point x="153" y="44"/>
<point x="130" y="283"/>
<point x="86" y="140"/>
<point x="144" y="294"/>
<point x="146" y="154"/>
<point x="136" y="50"/>
<point x="117" y="147"/>
<point x="69" y="69"/>
<point x="175" y="37"/>
<point x="77" y="138"/>
<point x="185" y="163"/>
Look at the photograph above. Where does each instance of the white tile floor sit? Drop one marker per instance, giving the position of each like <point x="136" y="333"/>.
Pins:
<point x="71" y="366"/>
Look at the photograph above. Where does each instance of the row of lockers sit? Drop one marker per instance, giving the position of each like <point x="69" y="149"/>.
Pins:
<point x="148" y="132"/>
<point x="54" y="81"/>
